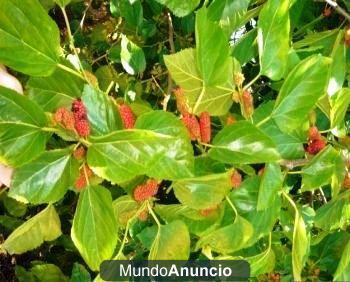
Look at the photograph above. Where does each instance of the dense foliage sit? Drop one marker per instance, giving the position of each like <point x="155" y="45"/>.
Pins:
<point x="171" y="129"/>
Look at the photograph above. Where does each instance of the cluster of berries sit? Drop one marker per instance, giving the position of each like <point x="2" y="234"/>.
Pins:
<point x="315" y="141"/>
<point x="80" y="118"/>
<point x="85" y="173"/>
<point x="76" y="119"/>
<point x="127" y="116"/>
<point x="146" y="191"/>
<point x="198" y="130"/>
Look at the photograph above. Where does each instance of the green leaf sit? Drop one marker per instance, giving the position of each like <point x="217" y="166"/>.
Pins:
<point x="94" y="229"/>
<point x="300" y="246"/>
<point x="196" y="223"/>
<point x="326" y="168"/>
<point x="290" y="147"/>
<point x="180" y="8"/>
<point x="159" y="148"/>
<point x="63" y="3"/>
<point x="228" y="13"/>
<point x="245" y="199"/>
<point x="337" y="70"/>
<point x="79" y="273"/>
<point x="262" y="263"/>
<point x="132" y="11"/>
<point x="338" y="210"/>
<point x="300" y="242"/>
<point x="13" y="207"/>
<point x="102" y="113"/>
<point x="203" y="192"/>
<point x="243" y="143"/>
<point x="273" y="38"/>
<point x="29" y="38"/>
<point x="132" y="56"/>
<point x="46" y="179"/>
<point x="212" y="51"/>
<point x="171" y="243"/>
<point x="55" y="91"/>
<point x="271" y="182"/>
<point x="48" y="272"/>
<point x="216" y="99"/>
<point x="343" y="269"/>
<point x="339" y="105"/>
<point x="125" y="207"/>
<point x="21" y="120"/>
<point x="45" y="226"/>
<point x="246" y="48"/>
<point x="230" y="238"/>
<point x="305" y="84"/>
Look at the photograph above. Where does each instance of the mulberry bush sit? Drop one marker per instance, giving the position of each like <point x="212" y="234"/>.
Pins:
<point x="131" y="128"/>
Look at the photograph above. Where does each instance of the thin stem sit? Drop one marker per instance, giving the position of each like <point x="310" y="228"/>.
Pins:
<point x="110" y="86"/>
<point x="67" y="69"/>
<point x="251" y="82"/>
<point x="49" y="129"/>
<point x="263" y="121"/>
<point x="232" y="206"/>
<point x="71" y="41"/>
<point x="86" y="176"/>
<point x="153" y="214"/>
<point x="290" y="201"/>
<point x="3" y="190"/>
<point x="302" y="29"/>
<point x="141" y="209"/>
<point x="172" y="51"/>
<point x="324" y="199"/>
<point x="295" y="172"/>
<point x="124" y="239"/>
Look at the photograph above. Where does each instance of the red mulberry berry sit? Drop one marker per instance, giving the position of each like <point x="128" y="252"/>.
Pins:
<point x="205" y="127"/>
<point x="79" y="153"/>
<point x="314" y="134"/>
<point x="79" y="110"/>
<point x="236" y="179"/>
<point x="65" y="118"/>
<point x="181" y="102"/>
<point x="315" y="146"/>
<point x="82" y="127"/>
<point x="192" y="124"/>
<point x="145" y="191"/>
<point x="84" y="173"/>
<point x="248" y="103"/>
<point x="127" y="116"/>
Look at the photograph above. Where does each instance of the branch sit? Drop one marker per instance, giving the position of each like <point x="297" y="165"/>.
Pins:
<point x="172" y="51"/>
<point x="337" y="8"/>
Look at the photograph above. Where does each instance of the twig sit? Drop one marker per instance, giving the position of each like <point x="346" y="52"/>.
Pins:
<point x="71" y="42"/>
<point x="172" y="51"/>
<point x="290" y="164"/>
<point x="322" y="196"/>
<point x="336" y="7"/>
